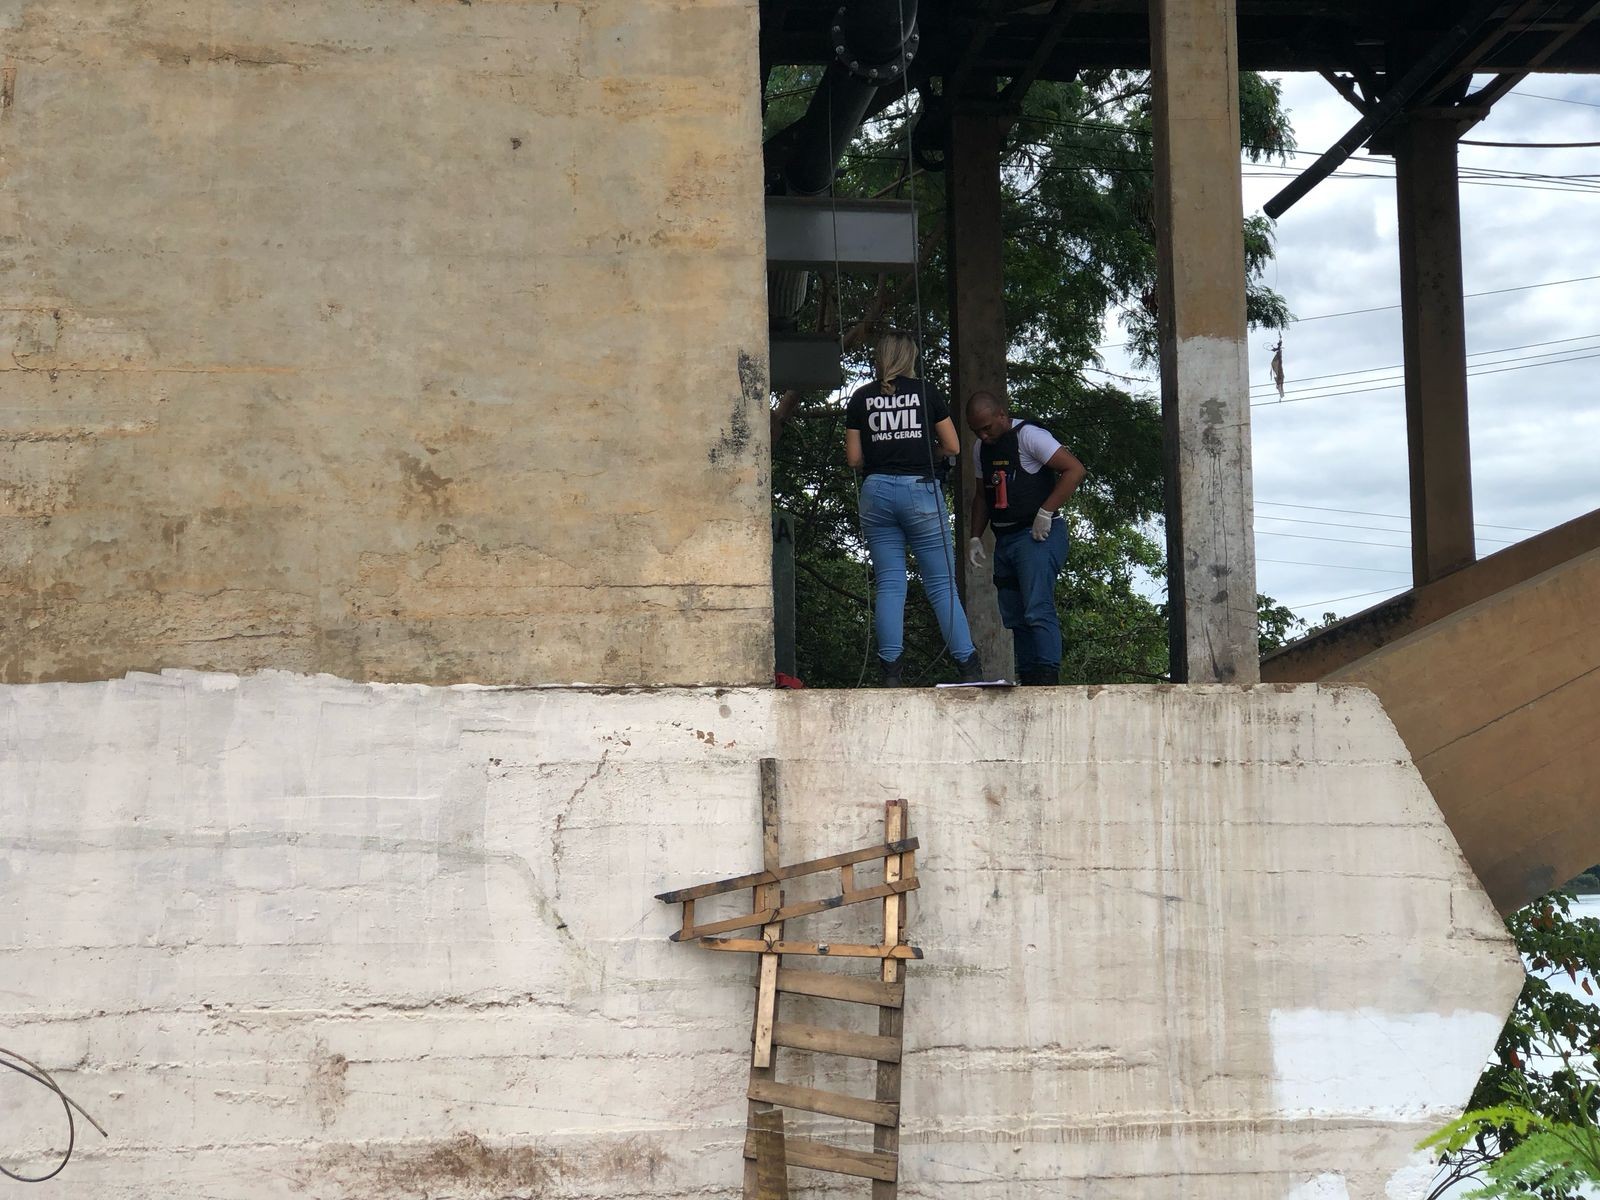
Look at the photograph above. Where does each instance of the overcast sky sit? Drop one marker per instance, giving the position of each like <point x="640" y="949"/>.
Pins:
<point x="1335" y="453"/>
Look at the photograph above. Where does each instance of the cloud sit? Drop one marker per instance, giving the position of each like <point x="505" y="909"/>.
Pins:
<point x="1535" y="420"/>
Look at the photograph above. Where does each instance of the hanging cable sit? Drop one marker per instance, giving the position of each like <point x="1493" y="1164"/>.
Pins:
<point x="33" y="1071"/>
<point x="856" y="477"/>
<point x="916" y="290"/>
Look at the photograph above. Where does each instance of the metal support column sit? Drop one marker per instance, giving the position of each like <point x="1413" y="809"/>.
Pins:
<point x="1205" y="394"/>
<point x="978" y="343"/>
<point x="1433" y="317"/>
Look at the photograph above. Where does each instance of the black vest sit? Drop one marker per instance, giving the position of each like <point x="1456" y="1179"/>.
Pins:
<point x="1014" y="496"/>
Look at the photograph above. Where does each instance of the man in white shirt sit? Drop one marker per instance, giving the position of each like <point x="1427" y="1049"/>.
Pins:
<point x="1024" y="477"/>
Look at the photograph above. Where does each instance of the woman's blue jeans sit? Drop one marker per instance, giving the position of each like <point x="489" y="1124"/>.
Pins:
<point x="899" y="511"/>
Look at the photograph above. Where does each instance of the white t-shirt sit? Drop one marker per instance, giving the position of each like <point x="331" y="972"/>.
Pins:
<point x="1035" y="446"/>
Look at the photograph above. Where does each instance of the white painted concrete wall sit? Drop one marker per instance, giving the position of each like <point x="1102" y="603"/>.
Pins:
<point x="295" y="937"/>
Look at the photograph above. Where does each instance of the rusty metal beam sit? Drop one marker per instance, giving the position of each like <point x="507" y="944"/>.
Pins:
<point x="1456" y="46"/>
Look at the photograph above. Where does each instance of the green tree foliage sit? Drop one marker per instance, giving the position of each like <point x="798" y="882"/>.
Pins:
<point x="1078" y="216"/>
<point x="1532" y="1128"/>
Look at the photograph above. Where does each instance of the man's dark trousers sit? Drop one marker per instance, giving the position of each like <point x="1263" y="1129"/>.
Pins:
<point x="1025" y="574"/>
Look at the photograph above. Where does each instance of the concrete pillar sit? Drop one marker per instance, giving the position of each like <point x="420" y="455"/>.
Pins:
<point x="1433" y="319"/>
<point x="1204" y="381"/>
<point x="977" y="343"/>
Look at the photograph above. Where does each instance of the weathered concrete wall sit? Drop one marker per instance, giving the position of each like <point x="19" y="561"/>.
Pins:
<point x="1318" y="656"/>
<point x="296" y="937"/>
<point x="408" y="341"/>
<point x="1499" y="704"/>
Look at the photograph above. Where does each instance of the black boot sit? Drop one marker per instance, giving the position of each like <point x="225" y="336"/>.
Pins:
<point x="890" y="674"/>
<point x="1041" y="677"/>
<point x="972" y="669"/>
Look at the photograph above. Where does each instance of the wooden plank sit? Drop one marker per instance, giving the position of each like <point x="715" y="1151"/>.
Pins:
<point x="777" y="874"/>
<point x="847" y="878"/>
<point x="766" y="1006"/>
<point x="818" y="949"/>
<point x="821" y="1156"/>
<point x="772" y="1170"/>
<point x="891" y="1021"/>
<point x="852" y="989"/>
<point x="800" y="1036"/>
<point x="893" y="872"/>
<point x="766" y="895"/>
<point x="829" y="1104"/>
<point x="688" y="918"/>
<point x="770" y="859"/>
<point x="791" y="911"/>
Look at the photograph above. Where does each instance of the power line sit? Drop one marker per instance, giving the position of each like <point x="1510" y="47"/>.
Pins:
<point x="1368" y="528"/>
<point x="1475" y="174"/>
<point x="1549" y="358"/>
<point x="1473" y="354"/>
<point x="1311" y="537"/>
<point x="1356" y="512"/>
<point x="1529" y="183"/>
<point x="1552" y="99"/>
<point x="1293" y="398"/>
<point x="1285" y="562"/>
<point x="1338" y="599"/>
<point x="1524" y="287"/>
<point x="1530" y="145"/>
<point x="1357" y="312"/>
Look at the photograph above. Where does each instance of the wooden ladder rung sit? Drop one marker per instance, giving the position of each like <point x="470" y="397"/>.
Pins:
<point x="813" y="949"/>
<point x="799" y="1036"/>
<point x="851" y="988"/>
<point x="789" y="912"/>
<point x="822" y="1156"/>
<point x="778" y="874"/>
<point x="829" y="1104"/>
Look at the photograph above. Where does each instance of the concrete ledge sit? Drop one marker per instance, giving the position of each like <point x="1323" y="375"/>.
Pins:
<point x="1325" y="652"/>
<point x="292" y="936"/>
<point x="1499" y="705"/>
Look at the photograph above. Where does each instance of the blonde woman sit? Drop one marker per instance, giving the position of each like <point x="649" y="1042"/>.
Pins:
<point x="896" y="428"/>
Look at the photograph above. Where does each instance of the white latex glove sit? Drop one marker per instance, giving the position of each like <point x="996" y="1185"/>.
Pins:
<point x="975" y="554"/>
<point x="1041" y="524"/>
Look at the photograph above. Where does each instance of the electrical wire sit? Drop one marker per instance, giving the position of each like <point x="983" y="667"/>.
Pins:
<point x="1530" y="145"/>
<point x="1357" y="312"/>
<point x="1268" y="385"/>
<point x="1308" y="537"/>
<point x="1357" y="512"/>
<point x="1552" y="99"/>
<point x="1293" y="398"/>
<point x="857" y="478"/>
<point x="948" y="535"/>
<point x="32" y="1070"/>
<point x="1369" y="528"/>
<point x="1524" y="362"/>
<point x="1339" y="599"/>
<point x="1261" y="169"/>
<point x="1286" y="562"/>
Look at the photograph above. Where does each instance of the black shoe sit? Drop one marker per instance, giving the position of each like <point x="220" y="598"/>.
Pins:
<point x="890" y="674"/>
<point x="1041" y="677"/>
<point x="972" y="669"/>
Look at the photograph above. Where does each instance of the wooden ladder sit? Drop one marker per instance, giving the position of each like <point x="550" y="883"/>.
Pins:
<point x="767" y="1151"/>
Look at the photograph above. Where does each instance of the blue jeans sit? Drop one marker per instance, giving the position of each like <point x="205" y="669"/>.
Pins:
<point x="1025" y="577"/>
<point x="902" y="510"/>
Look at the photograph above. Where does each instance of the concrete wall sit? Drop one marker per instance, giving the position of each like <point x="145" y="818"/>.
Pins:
<point x="407" y="341"/>
<point x="1328" y="650"/>
<point x="1499" y="704"/>
<point x="292" y="937"/>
